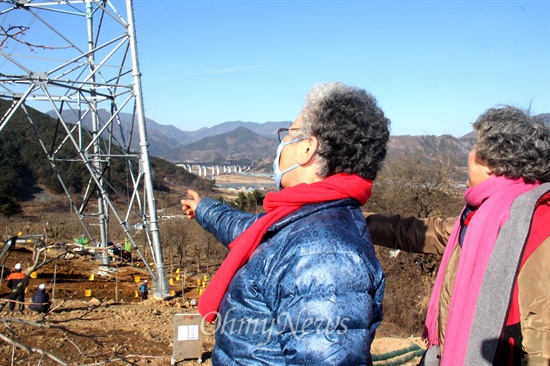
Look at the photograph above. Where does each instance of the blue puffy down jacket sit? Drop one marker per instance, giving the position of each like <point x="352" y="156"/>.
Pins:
<point x="311" y="293"/>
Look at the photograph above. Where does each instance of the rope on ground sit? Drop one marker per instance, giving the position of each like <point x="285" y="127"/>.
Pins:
<point x="398" y="357"/>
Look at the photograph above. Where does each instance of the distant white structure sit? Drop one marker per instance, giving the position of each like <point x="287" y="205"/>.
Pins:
<point x="214" y="170"/>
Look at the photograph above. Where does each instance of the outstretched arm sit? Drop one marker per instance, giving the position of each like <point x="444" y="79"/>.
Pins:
<point x="224" y="222"/>
<point x="410" y="234"/>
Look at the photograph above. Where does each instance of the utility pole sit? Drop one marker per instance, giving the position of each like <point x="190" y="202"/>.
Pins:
<point x="78" y="61"/>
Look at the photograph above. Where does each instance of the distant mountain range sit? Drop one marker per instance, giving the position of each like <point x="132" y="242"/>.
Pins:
<point x="173" y="144"/>
<point x="239" y="145"/>
<point x="255" y="143"/>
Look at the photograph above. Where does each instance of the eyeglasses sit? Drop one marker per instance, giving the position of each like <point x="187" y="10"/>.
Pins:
<point x="282" y="132"/>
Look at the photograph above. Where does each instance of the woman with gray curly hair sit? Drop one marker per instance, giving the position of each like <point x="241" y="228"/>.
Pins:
<point x="283" y="294"/>
<point x="513" y="144"/>
<point x="490" y="302"/>
<point x="352" y="130"/>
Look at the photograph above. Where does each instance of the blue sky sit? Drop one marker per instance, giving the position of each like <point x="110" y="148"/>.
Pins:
<point x="434" y="66"/>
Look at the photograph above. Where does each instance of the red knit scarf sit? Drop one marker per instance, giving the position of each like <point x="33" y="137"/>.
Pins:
<point x="277" y="205"/>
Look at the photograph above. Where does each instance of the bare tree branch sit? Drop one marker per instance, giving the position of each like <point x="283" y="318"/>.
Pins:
<point x="32" y="349"/>
<point x="14" y="32"/>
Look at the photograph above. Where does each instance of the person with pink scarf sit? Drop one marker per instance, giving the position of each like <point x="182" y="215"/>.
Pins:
<point x="491" y="299"/>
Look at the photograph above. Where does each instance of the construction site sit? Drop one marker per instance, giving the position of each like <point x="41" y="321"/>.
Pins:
<point x="93" y="249"/>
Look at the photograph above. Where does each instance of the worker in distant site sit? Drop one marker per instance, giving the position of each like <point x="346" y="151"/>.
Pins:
<point x="17" y="282"/>
<point x="301" y="283"/>
<point x="40" y="300"/>
<point x="491" y="299"/>
<point x="143" y="290"/>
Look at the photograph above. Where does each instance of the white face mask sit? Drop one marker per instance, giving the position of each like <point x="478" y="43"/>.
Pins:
<point x="277" y="174"/>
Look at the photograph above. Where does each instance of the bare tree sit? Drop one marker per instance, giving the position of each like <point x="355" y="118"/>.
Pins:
<point x="210" y="244"/>
<point x="421" y="184"/>
<point x="416" y="185"/>
<point x="176" y="236"/>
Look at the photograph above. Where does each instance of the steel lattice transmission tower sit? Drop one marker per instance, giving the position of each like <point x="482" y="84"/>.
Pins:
<point x="79" y="59"/>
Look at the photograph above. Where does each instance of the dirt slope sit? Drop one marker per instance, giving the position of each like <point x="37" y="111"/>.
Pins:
<point x="110" y="324"/>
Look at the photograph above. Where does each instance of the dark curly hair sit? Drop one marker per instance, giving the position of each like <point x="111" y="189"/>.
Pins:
<point x="514" y="144"/>
<point x="351" y="129"/>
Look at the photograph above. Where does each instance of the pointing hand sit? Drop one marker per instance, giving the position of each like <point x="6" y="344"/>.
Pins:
<point x="190" y="205"/>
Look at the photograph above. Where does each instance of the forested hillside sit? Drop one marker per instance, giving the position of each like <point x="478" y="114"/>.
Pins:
<point x="27" y="171"/>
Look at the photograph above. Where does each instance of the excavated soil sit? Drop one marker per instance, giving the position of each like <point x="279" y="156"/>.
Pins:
<point x="102" y="321"/>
